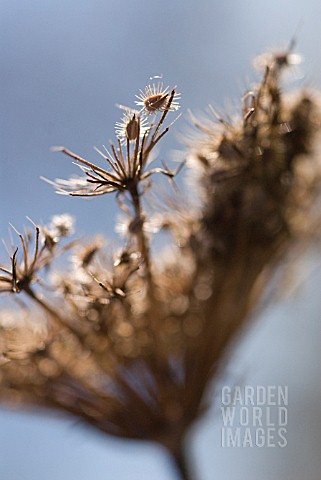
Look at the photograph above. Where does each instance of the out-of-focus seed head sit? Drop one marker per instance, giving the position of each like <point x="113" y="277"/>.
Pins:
<point x="61" y="225"/>
<point x="278" y="60"/>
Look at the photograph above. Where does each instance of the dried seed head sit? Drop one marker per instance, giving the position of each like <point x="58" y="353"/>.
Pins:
<point x="131" y="126"/>
<point x="278" y="59"/>
<point x="155" y="99"/>
<point x="61" y="225"/>
<point x="155" y="102"/>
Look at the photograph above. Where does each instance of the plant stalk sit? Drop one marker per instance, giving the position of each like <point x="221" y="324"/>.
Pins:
<point x="179" y="459"/>
<point x="143" y="245"/>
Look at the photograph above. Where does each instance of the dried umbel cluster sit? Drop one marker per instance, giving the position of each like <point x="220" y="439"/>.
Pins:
<point x="130" y="344"/>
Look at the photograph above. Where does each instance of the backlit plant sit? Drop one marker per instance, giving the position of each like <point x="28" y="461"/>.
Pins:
<point x="131" y="343"/>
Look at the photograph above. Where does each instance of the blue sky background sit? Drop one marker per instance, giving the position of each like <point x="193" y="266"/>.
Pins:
<point x="64" y="65"/>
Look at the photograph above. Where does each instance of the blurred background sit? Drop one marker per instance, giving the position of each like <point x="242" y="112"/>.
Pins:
<point x="64" y="66"/>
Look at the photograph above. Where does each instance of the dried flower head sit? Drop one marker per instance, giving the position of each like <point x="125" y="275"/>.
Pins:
<point x="37" y="253"/>
<point x="61" y="225"/>
<point x="155" y="99"/>
<point x="278" y="60"/>
<point x="128" y="164"/>
<point x="138" y="338"/>
<point x="130" y="126"/>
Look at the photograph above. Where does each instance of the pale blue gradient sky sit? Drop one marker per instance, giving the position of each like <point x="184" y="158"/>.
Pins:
<point x="64" y="66"/>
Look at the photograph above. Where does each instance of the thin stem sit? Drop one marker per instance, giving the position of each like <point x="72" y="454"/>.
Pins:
<point x="179" y="459"/>
<point x="143" y="245"/>
<point x="53" y="313"/>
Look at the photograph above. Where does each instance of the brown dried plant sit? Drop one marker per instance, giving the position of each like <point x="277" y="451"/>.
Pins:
<point x="130" y="344"/>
